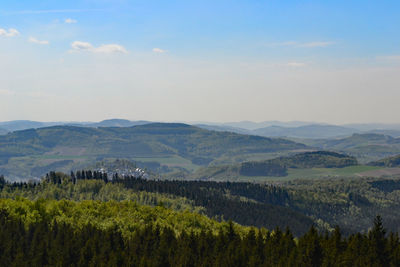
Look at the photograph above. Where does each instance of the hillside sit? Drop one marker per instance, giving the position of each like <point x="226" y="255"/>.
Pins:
<point x="387" y="162"/>
<point x="277" y="167"/>
<point x="365" y="147"/>
<point x="349" y="203"/>
<point x="19" y="125"/>
<point x="223" y="128"/>
<point x="317" y="159"/>
<point x="116" y="123"/>
<point x="89" y="233"/>
<point x="32" y="152"/>
<point x="3" y="131"/>
<point x="244" y="203"/>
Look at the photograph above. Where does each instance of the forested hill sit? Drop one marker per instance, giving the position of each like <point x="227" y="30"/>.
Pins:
<point x="52" y="232"/>
<point x="317" y="159"/>
<point x="66" y="233"/>
<point x="387" y="162"/>
<point x="244" y="203"/>
<point x="278" y="166"/>
<point x="144" y="140"/>
<point x="366" y="147"/>
<point x="186" y="145"/>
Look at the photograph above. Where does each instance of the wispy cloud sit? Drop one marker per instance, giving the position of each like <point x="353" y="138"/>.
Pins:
<point x="296" y="64"/>
<point x="159" y="50"/>
<point x="70" y="21"/>
<point x="316" y="44"/>
<point x="106" y="48"/>
<point x="10" y="33"/>
<point x="36" y="41"/>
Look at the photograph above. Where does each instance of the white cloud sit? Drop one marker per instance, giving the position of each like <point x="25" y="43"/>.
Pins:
<point x="36" y="41"/>
<point x="159" y="50"/>
<point x="296" y="64"/>
<point x="70" y="21"/>
<point x="6" y="92"/>
<point x="78" y="45"/>
<point x="10" y="33"/>
<point x="110" y="48"/>
<point x="316" y="44"/>
<point x="107" y="48"/>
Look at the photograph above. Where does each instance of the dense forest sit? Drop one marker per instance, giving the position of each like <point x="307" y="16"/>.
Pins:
<point x="317" y="159"/>
<point x="41" y="233"/>
<point x="262" y="168"/>
<point x="245" y="203"/>
<point x="387" y="162"/>
<point x="89" y="219"/>
<point x="307" y="160"/>
<point x="297" y="204"/>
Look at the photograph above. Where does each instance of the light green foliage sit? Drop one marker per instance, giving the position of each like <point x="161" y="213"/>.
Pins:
<point x="98" y="190"/>
<point x="126" y="216"/>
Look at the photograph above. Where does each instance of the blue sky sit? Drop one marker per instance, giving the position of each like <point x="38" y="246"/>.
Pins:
<point x="277" y="60"/>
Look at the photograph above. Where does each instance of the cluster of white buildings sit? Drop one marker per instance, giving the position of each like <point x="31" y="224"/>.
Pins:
<point x="137" y="173"/>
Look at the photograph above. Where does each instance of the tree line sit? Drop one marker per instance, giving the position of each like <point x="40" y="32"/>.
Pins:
<point x="47" y="243"/>
<point x="245" y="203"/>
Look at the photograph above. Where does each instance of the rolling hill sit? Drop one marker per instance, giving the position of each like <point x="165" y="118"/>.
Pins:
<point x="365" y="147"/>
<point x="3" y="131"/>
<point x="19" y="125"/>
<point x="387" y="162"/>
<point x="172" y="144"/>
<point x="277" y="167"/>
<point x="116" y="123"/>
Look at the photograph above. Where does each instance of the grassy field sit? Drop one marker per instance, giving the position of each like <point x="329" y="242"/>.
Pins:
<point x="172" y="161"/>
<point x="329" y="172"/>
<point x="314" y="173"/>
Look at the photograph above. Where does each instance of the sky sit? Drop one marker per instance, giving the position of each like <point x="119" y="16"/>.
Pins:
<point x="259" y="60"/>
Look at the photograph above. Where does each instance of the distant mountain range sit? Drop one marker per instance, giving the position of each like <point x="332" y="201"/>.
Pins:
<point x="3" y="131"/>
<point x="33" y="152"/>
<point x="309" y="131"/>
<point x="18" y="125"/>
<point x="169" y="147"/>
<point x="250" y="125"/>
<point x="365" y="147"/>
<point x="295" y="129"/>
<point x="306" y="131"/>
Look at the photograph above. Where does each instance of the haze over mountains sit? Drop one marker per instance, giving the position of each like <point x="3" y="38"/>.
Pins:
<point x="295" y="129"/>
<point x="33" y="152"/>
<point x="30" y="149"/>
